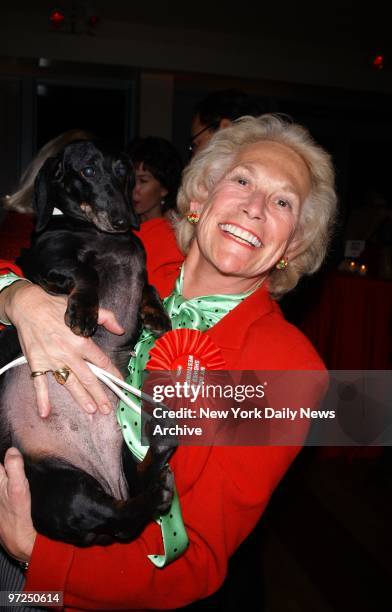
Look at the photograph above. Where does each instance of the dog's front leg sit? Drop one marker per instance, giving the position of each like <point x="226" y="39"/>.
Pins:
<point x="80" y="282"/>
<point x="83" y="301"/>
<point x="153" y="315"/>
<point x="57" y="270"/>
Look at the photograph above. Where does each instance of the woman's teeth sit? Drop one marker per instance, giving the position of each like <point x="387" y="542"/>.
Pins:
<point x="240" y="234"/>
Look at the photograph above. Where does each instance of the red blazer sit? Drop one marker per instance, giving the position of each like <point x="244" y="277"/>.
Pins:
<point x="223" y="490"/>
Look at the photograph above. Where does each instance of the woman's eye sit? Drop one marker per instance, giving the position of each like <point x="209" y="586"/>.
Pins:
<point x="242" y="181"/>
<point x="282" y="203"/>
<point x="87" y="172"/>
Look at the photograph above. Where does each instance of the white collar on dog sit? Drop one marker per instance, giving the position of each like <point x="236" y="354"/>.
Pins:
<point x="57" y="211"/>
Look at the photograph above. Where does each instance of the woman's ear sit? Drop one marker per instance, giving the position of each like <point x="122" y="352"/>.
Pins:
<point x="295" y="248"/>
<point x="164" y="192"/>
<point x="195" y="206"/>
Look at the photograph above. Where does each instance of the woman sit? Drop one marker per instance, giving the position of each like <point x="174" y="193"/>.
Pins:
<point x="257" y="206"/>
<point x="158" y="169"/>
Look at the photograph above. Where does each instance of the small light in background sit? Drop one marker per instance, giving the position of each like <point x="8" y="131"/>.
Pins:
<point x="93" y="20"/>
<point x="42" y="90"/>
<point x="363" y="269"/>
<point x="378" y="62"/>
<point x="44" y="62"/>
<point x="56" y="17"/>
<point x="91" y="14"/>
<point x="81" y="18"/>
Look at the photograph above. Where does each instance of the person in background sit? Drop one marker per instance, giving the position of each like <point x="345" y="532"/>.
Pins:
<point x="158" y="168"/>
<point x="218" y="110"/>
<point x="18" y="221"/>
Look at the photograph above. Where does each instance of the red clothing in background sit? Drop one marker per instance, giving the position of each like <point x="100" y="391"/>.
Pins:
<point x="164" y="258"/>
<point x="15" y="234"/>
<point x="7" y="266"/>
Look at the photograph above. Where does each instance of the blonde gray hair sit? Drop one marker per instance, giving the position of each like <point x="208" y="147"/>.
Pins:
<point x="21" y="200"/>
<point x="318" y="212"/>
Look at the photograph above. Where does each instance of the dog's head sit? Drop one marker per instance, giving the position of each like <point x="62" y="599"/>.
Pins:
<point x="90" y="183"/>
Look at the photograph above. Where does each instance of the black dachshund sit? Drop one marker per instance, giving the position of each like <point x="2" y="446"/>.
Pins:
<point x="86" y="488"/>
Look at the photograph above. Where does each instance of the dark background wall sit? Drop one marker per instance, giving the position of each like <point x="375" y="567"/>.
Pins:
<point x="143" y="67"/>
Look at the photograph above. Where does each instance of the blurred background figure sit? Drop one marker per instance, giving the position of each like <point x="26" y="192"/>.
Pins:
<point x="158" y="168"/>
<point x="16" y="210"/>
<point x="218" y="110"/>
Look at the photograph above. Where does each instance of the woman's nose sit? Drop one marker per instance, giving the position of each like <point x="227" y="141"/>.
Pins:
<point x="255" y="206"/>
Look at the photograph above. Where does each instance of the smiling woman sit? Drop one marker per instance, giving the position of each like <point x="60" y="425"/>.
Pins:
<point x="257" y="208"/>
<point x="249" y="220"/>
<point x="267" y="177"/>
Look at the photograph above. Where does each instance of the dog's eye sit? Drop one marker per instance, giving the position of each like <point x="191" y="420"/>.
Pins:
<point x="87" y="172"/>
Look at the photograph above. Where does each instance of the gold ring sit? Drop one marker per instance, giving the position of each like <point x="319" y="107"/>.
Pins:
<point x="39" y="373"/>
<point x="61" y="375"/>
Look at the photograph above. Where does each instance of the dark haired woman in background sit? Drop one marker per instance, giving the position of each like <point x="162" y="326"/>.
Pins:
<point x="158" y="167"/>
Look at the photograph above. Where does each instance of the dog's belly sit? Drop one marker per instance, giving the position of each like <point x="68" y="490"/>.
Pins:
<point x="90" y="442"/>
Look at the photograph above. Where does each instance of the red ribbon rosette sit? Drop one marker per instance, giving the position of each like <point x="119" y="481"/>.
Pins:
<point x="187" y="358"/>
<point x="185" y="350"/>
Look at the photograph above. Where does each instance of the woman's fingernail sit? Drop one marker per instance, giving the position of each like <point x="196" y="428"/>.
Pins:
<point x="91" y="408"/>
<point x="105" y="408"/>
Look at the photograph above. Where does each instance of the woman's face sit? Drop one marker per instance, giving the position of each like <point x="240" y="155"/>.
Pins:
<point x="147" y="195"/>
<point x="249" y="220"/>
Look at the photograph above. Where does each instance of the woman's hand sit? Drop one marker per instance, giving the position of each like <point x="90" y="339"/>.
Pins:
<point x="17" y="533"/>
<point x="49" y="344"/>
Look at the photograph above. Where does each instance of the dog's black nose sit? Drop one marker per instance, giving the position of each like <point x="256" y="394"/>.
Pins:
<point x="120" y="224"/>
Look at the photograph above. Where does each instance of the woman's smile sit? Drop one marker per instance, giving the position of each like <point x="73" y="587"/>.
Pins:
<point x="241" y="235"/>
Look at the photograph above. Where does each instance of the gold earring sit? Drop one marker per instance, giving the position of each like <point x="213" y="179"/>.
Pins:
<point x="282" y="263"/>
<point x="193" y="217"/>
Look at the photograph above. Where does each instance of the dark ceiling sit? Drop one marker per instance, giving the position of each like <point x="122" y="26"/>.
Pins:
<point x="348" y="25"/>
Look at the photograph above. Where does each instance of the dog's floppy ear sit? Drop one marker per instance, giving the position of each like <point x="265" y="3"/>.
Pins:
<point x="43" y="204"/>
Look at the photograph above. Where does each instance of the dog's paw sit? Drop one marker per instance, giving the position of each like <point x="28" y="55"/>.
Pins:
<point x="82" y="319"/>
<point x="156" y="320"/>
